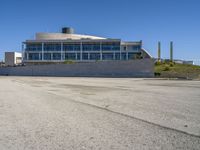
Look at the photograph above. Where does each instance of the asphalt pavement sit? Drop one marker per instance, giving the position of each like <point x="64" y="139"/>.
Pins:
<point x="47" y="113"/>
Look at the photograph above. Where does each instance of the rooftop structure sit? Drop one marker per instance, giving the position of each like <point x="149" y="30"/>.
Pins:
<point x="59" y="47"/>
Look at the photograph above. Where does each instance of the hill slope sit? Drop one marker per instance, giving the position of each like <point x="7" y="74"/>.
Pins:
<point x="170" y="70"/>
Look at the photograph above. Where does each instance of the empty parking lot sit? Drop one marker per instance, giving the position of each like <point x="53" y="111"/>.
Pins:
<point x="98" y="113"/>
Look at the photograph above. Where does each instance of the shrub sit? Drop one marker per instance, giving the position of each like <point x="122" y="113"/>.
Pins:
<point x="158" y="63"/>
<point x="68" y="62"/>
<point x="171" y="64"/>
<point x="166" y="68"/>
<point x="157" y="74"/>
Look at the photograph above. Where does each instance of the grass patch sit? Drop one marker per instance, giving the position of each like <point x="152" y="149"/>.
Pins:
<point x="69" y="62"/>
<point x="172" y="70"/>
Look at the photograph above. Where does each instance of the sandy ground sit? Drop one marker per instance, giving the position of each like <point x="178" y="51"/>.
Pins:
<point x="43" y="113"/>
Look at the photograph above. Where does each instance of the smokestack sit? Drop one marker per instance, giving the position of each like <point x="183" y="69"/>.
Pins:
<point x="159" y="51"/>
<point x="171" y="51"/>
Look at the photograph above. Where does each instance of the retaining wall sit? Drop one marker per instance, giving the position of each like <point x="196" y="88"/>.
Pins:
<point x="132" y="68"/>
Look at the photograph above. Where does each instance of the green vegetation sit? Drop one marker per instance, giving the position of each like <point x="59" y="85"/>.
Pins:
<point x="172" y="70"/>
<point x="69" y="62"/>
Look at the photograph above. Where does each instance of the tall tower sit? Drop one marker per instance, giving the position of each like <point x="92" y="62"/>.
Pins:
<point x="159" y="51"/>
<point x="171" y="51"/>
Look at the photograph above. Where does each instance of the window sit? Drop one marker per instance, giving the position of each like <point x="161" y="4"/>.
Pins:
<point x="117" y="56"/>
<point x="124" y="48"/>
<point x="85" y="56"/>
<point x="77" y="47"/>
<point x="96" y="47"/>
<point x="95" y="56"/>
<point x="47" y="56"/>
<point x="131" y="56"/>
<point x="70" y="56"/>
<point x="136" y="47"/>
<point x="71" y="47"/>
<point x="34" y="56"/>
<point x="33" y="47"/>
<point x="114" y="46"/>
<point x="52" y="47"/>
<point x="107" y="56"/>
<point x="123" y="56"/>
<point x="87" y="47"/>
<point x="56" y="56"/>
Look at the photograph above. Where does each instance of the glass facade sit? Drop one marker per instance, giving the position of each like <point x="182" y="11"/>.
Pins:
<point x="123" y="56"/>
<point x="111" y="46"/>
<point x="108" y="56"/>
<point x="34" y="47"/>
<point x="70" y="56"/>
<point x="52" y="47"/>
<point x="47" y="56"/>
<point x="85" y="56"/>
<point x="34" y="56"/>
<point x="94" y="56"/>
<point x="71" y="47"/>
<point x="136" y="47"/>
<point x="92" y="50"/>
<point x="117" y="56"/>
<point x="56" y="56"/>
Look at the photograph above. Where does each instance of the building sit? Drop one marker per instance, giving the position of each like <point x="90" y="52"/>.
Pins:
<point x="60" y="47"/>
<point x="13" y="58"/>
<point x="187" y="62"/>
<point x="2" y="64"/>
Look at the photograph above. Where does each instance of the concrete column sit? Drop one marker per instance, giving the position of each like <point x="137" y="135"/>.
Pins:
<point x="27" y="55"/>
<point x="81" y="53"/>
<point x="126" y="52"/>
<point x="42" y="51"/>
<point x="120" y="52"/>
<point x="23" y="52"/>
<point x="51" y="56"/>
<point x="100" y="50"/>
<point x="61" y="51"/>
<point x="114" y="56"/>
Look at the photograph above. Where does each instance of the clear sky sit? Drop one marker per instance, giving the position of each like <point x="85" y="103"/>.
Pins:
<point x="131" y="20"/>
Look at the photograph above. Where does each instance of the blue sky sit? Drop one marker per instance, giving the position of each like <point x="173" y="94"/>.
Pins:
<point x="131" y="20"/>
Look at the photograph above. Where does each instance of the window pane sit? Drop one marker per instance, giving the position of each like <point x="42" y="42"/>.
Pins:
<point x="85" y="56"/>
<point x="47" y="56"/>
<point x="33" y="47"/>
<point x="95" y="56"/>
<point x="117" y="56"/>
<point x="33" y="56"/>
<point x="114" y="46"/>
<point x="107" y="56"/>
<point x="52" y="47"/>
<point x="56" y="56"/>
<point x="123" y="55"/>
<point x="70" y="56"/>
<point x="131" y="56"/>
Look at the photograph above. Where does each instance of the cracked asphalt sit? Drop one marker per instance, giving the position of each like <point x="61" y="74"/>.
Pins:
<point x="47" y="113"/>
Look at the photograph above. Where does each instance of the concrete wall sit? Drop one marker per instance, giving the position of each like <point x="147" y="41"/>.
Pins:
<point x="9" y="58"/>
<point x="132" y="68"/>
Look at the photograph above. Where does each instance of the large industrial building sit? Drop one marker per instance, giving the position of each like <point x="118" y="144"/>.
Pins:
<point x="60" y="47"/>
